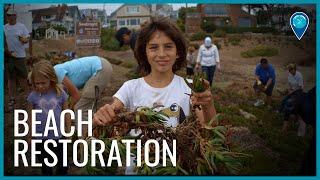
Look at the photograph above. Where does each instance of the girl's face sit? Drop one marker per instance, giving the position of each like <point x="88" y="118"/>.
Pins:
<point x="161" y="52"/>
<point x="41" y="84"/>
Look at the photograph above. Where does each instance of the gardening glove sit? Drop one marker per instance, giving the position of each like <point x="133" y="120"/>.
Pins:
<point x="259" y="83"/>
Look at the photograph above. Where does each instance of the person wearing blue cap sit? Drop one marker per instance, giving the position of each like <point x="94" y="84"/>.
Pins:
<point x="208" y="58"/>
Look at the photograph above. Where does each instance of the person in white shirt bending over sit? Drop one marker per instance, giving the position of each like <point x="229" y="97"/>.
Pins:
<point x="208" y="59"/>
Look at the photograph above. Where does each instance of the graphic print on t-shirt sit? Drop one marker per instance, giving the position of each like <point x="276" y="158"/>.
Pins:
<point x="174" y="112"/>
<point x="46" y="105"/>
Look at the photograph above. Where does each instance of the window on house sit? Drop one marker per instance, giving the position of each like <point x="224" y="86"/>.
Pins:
<point x="134" y="22"/>
<point x="244" y="22"/>
<point x="122" y="22"/>
<point x="133" y="9"/>
<point x="48" y="17"/>
<point x="216" y="10"/>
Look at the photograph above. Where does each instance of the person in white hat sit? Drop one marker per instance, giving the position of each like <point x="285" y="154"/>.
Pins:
<point x="16" y="36"/>
<point x="208" y="59"/>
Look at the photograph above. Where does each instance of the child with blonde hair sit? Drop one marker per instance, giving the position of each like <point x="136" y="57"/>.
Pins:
<point x="47" y="95"/>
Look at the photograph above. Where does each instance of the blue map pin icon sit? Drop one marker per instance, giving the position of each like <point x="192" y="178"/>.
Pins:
<point x="299" y="23"/>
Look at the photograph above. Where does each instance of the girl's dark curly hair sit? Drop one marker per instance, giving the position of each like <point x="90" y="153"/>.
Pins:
<point x="171" y="30"/>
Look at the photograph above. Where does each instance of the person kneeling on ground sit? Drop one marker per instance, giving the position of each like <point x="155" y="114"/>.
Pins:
<point x="265" y="81"/>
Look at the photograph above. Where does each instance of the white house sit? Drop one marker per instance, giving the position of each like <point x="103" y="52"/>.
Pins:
<point x="132" y="15"/>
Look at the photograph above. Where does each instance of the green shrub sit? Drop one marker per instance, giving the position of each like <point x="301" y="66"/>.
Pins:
<point x="108" y="41"/>
<point x="265" y="51"/>
<point x="235" y="41"/>
<point x="181" y="25"/>
<point x="208" y="26"/>
<point x="41" y="32"/>
<point x="60" y="28"/>
<point x="219" y="33"/>
<point x="199" y="36"/>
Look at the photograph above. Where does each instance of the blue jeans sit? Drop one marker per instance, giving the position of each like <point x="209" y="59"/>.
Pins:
<point x="209" y="72"/>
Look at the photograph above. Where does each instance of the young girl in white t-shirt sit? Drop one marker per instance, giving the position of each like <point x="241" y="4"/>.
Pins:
<point x="160" y="51"/>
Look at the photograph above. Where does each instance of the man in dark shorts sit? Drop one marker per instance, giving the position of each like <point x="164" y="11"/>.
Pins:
<point x="265" y="81"/>
<point x="16" y="38"/>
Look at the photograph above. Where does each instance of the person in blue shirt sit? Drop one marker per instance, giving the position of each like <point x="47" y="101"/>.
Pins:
<point x="84" y="73"/>
<point x="265" y="80"/>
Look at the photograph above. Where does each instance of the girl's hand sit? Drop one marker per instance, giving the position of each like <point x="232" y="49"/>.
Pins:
<point x="204" y="98"/>
<point x="104" y="116"/>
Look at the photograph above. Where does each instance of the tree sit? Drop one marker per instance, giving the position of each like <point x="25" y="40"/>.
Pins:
<point x="60" y="28"/>
<point x="182" y="16"/>
<point x="183" y="11"/>
<point x="208" y="26"/>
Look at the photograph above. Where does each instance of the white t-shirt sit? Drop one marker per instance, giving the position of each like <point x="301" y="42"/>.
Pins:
<point x="170" y="100"/>
<point x="295" y="81"/>
<point x="12" y="33"/>
<point x="208" y="56"/>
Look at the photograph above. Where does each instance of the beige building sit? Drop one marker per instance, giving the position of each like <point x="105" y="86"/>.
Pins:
<point x="130" y="16"/>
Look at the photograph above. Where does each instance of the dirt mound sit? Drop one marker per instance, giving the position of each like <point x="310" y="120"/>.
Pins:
<point x="41" y="47"/>
<point x="246" y="141"/>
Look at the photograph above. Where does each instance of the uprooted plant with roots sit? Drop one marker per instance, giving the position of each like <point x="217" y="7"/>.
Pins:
<point x="201" y="149"/>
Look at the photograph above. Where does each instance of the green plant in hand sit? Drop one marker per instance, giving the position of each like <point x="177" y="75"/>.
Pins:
<point x="197" y="84"/>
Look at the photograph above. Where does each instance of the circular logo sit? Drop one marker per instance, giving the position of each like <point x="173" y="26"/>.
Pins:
<point x="299" y="21"/>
